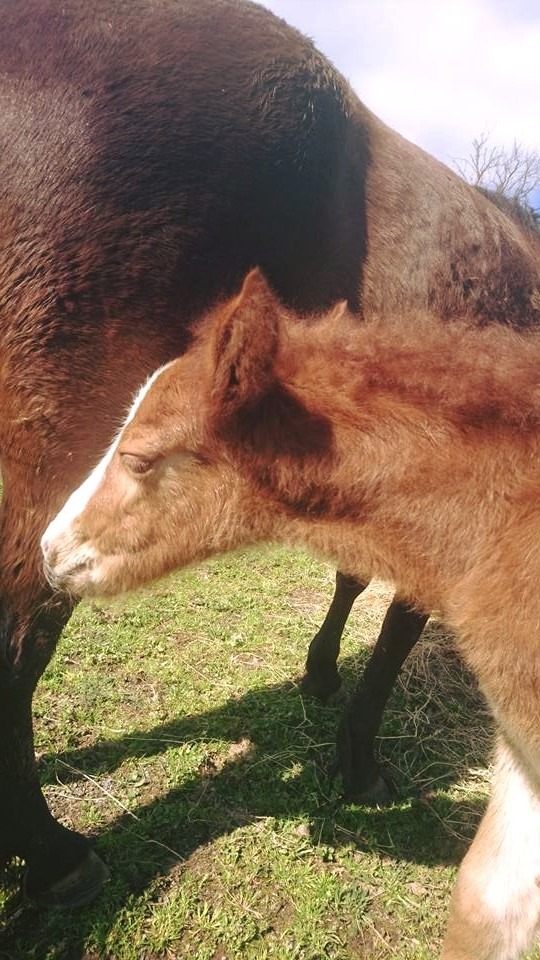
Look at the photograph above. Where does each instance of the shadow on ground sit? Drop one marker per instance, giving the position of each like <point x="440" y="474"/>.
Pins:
<point x="277" y="723"/>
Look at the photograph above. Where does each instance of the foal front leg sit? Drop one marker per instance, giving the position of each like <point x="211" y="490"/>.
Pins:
<point x="495" y="908"/>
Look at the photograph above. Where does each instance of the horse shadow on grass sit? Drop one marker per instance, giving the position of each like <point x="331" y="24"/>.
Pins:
<point x="279" y="766"/>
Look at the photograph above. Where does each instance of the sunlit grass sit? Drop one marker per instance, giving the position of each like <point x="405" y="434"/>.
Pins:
<point x="170" y="728"/>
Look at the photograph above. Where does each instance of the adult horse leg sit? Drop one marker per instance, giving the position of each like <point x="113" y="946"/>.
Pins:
<point x="61" y="868"/>
<point x="402" y="627"/>
<point x="321" y="679"/>
<point x="361" y="774"/>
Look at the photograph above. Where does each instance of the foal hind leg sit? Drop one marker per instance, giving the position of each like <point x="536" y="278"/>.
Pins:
<point x="321" y="679"/>
<point x="496" y="902"/>
<point x="360" y="772"/>
<point x="60" y="866"/>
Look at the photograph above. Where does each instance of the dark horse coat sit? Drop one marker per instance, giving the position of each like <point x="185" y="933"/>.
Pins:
<point x="150" y="153"/>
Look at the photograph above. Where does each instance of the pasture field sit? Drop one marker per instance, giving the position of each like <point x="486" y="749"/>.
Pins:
<point x="171" y="728"/>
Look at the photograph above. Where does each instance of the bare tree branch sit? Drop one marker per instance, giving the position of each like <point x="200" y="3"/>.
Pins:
<point x="514" y="172"/>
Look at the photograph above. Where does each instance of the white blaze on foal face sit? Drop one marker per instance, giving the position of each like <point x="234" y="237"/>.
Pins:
<point x="70" y="542"/>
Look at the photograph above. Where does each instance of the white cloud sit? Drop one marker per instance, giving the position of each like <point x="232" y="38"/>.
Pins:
<point x="440" y="73"/>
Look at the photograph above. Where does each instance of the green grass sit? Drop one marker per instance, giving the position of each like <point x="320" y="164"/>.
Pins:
<point x="170" y="728"/>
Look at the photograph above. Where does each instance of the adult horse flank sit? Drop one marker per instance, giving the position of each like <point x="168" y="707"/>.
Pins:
<point x="148" y="160"/>
<point x="407" y="450"/>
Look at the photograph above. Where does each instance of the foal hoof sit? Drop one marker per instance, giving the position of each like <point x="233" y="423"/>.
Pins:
<point x="76" y="889"/>
<point x="377" y="794"/>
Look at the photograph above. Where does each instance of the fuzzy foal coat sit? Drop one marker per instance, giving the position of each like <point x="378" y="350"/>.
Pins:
<point x="406" y="450"/>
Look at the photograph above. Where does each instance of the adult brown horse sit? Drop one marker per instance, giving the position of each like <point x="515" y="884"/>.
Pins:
<point x="150" y="153"/>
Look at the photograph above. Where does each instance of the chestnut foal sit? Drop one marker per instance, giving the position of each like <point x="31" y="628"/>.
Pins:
<point x="409" y="451"/>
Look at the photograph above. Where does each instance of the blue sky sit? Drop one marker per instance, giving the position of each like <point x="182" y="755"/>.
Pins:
<point x="441" y="72"/>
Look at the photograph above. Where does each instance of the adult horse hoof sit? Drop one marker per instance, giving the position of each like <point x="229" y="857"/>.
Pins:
<point x="76" y="889"/>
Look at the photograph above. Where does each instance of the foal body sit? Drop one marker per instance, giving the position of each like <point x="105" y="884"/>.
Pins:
<point x="406" y="451"/>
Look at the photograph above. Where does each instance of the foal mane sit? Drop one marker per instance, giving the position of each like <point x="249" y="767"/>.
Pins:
<point x="479" y="377"/>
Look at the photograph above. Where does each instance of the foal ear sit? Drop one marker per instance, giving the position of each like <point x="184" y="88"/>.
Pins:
<point x="244" y="343"/>
<point x="340" y="309"/>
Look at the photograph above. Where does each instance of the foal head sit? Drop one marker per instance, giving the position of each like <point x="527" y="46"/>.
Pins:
<point x="177" y="483"/>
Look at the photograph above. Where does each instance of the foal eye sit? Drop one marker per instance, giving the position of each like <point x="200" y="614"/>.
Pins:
<point x="137" y="465"/>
